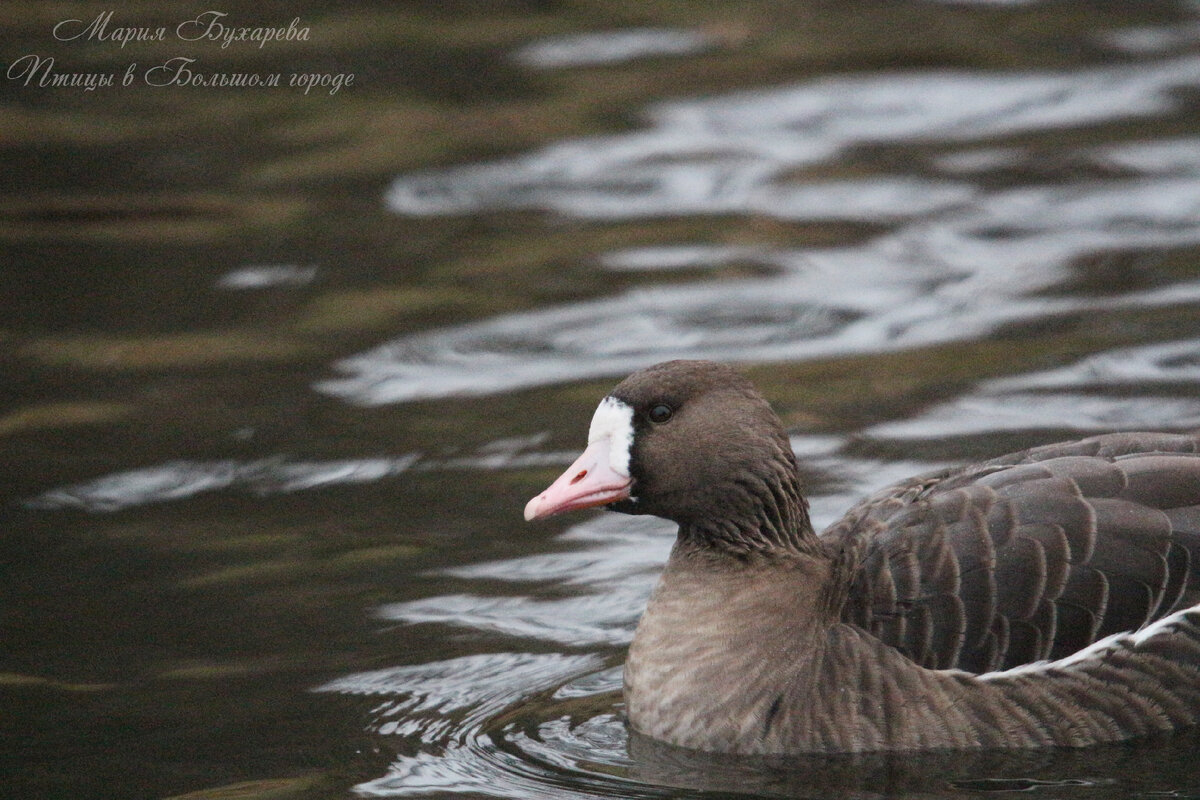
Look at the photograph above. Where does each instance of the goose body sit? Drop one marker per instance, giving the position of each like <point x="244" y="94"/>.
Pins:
<point x="1043" y="598"/>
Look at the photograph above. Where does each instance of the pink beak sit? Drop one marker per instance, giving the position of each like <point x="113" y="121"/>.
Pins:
<point x="589" y="482"/>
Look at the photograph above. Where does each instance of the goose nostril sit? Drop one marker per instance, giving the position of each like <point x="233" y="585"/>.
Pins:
<point x="579" y="477"/>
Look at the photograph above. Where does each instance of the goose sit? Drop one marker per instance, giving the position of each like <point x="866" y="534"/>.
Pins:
<point x="1045" y="598"/>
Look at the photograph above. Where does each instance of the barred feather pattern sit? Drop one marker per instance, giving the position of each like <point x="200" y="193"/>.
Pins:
<point x="1045" y="598"/>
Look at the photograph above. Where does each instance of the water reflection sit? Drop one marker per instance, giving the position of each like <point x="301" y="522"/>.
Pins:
<point x="608" y="572"/>
<point x="480" y="686"/>
<point x="449" y="710"/>
<point x="178" y="480"/>
<point x="1025" y="411"/>
<point x="1130" y="367"/>
<point x="740" y="153"/>
<point x="267" y="275"/>
<point x="913" y="289"/>
<point x="610" y="47"/>
<point x="959" y="262"/>
<point x="1053" y="399"/>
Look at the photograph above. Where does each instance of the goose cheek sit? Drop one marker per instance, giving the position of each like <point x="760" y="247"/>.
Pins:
<point x="590" y="481"/>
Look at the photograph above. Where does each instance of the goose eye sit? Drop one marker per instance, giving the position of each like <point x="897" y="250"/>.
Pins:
<point x="660" y="413"/>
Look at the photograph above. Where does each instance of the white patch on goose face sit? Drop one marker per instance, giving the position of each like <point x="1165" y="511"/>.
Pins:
<point x="613" y="420"/>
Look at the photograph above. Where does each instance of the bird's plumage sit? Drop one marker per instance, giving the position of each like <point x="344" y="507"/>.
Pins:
<point x="1043" y="598"/>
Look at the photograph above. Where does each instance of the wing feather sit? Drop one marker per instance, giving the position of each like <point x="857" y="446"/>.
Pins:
<point x="1030" y="556"/>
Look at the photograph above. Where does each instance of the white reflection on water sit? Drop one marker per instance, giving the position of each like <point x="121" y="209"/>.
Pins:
<point x="609" y="571"/>
<point x="829" y="303"/>
<point x="178" y="480"/>
<point x="1076" y="397"/>
<point x="731" y="154"/>
<point x="610" y="47"/>
<point x="481" y="684"/>
<point x="447" y="706"/>
<point x="1162" y="362"/>
<point x="266" y="276"/>
<point x="1171" y="157"/>
<point x="958" y="260"/>
<point x="1153" y="40"/>
<point x="1054" y="399"/>
<point x="1023" y="411"/>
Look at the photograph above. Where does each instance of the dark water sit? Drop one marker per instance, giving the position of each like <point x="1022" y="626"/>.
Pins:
<point x="282" y="369"/>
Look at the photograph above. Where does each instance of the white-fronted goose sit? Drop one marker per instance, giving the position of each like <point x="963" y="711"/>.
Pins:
<point x="1043" y="598"/>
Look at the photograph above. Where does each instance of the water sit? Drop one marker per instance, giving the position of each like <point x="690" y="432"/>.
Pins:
<point x="283" y="369"/>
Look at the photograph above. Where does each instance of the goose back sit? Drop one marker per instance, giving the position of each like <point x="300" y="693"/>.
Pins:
<point x="1028" y="557"/>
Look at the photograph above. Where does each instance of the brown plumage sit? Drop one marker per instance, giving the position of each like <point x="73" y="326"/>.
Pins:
<point x="1043" y="598"/>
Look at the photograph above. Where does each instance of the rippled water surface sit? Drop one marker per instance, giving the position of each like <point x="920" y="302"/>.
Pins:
<point x="283" y="368"/>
